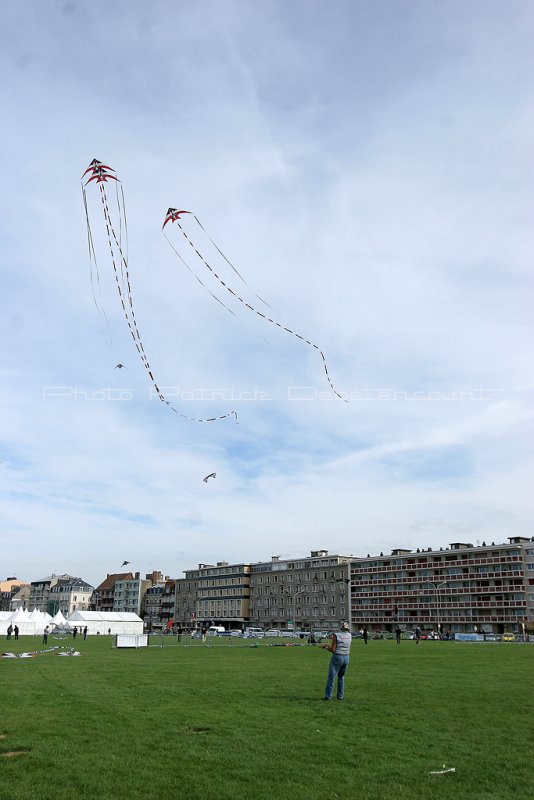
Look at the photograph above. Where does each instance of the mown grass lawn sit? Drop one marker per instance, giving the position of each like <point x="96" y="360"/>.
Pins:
<point x="240" y="722"/>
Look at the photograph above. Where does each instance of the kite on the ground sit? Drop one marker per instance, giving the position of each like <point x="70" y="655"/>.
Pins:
<point x="211" y="475"/>
<point x="101" y="173"/>
<point x="174" y="215"/>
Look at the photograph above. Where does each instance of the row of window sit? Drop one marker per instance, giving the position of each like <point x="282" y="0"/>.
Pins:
<point x="299" y="613"/>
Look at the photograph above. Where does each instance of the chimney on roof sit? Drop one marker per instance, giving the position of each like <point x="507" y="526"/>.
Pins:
<point x="275" y="558"/>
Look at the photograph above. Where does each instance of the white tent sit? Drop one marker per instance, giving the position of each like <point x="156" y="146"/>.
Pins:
<point x="58" y="622"/>
<point x="5" y="621"/>
<point x="104" y="622"/>
<point x="28" y="624"/>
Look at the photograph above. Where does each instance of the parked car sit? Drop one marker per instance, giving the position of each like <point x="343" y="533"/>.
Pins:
<point x="508" y="637"/>
<point x="271" y="633"/>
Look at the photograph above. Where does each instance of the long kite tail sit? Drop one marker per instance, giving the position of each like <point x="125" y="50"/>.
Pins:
<point x="174" y="216"/>
<point x="94" y="274"/>
<point x="122" y="279"/>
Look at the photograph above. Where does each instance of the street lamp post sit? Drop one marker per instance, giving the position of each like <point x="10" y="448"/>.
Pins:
<point x="437" y="587"/>
<point x="346" y="581"/>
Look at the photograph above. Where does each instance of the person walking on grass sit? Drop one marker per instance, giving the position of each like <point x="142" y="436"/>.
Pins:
<point x="45" y="635"/>
<point x="9" y="632"/>
<point x="398" y="634"/>
<point x="340" y="648"/>
<point x="16" y="631"/>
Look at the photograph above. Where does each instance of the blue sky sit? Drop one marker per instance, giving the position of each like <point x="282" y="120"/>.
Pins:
<point x="368" y="169"/>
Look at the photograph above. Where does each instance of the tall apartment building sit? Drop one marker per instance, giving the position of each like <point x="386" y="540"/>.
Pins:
<point x="309" y="593"/>
<point x="460" y="588"/>
<point x="213" y="594"/>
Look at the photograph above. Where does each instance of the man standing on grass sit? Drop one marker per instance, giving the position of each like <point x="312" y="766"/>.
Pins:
<point x="340" y="649"/>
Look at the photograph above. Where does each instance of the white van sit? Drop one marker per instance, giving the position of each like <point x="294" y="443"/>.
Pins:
<point x="253" y="633"/>
<point x="214" y="630"/>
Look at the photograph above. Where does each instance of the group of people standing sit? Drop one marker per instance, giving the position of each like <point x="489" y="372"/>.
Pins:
<point x="12" y="630"/>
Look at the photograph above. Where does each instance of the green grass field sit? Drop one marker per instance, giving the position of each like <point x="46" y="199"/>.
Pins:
<point x="232" y="722"/>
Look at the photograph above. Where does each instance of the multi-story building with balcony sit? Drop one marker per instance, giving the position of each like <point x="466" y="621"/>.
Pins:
<point x="213" y="594"/>
<point x="168" y="604"/>
<point x="40" y="591"/>
<point x="104" y="595"/>
<point x="185" y="611"/>
<point x="309" y="593"/>
<point x="130" y="594"/>
<point x="69" y="595"/>
<point x="152" y="616"/>
<point x="460" y="588"/>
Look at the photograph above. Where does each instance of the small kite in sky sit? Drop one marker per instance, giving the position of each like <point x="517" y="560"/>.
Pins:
<point x="211" y="475"/>
<point x="119" y="366"/>
<point x="124" y="563"/>
<point x="115" y="223"/>
<point x="174" y="215"/>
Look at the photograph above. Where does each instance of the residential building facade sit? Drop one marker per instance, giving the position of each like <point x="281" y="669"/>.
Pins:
<point x="168" y="604"/>
<point x="213" y="594"/>
<point x="460" y="588"/>
<point x="104" y="595"/>
<point x="152" y="618"/>
<point x="68" y="595"/>
<point x="8" y="590"/>
<point x="130" y="594"/>
<point x="309" y="593"/>
<point x="40" y="592"/>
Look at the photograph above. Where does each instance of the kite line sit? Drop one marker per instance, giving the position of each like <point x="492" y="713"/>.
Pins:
<point x="174" y="215"/>
<point x="101" y="174"/>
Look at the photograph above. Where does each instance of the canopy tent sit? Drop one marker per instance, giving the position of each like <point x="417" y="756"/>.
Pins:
<point x="29" y="624"/>
<point x="5" y="620"/>
<point x="104" y="622"/>
<point x="59" y="623"/>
